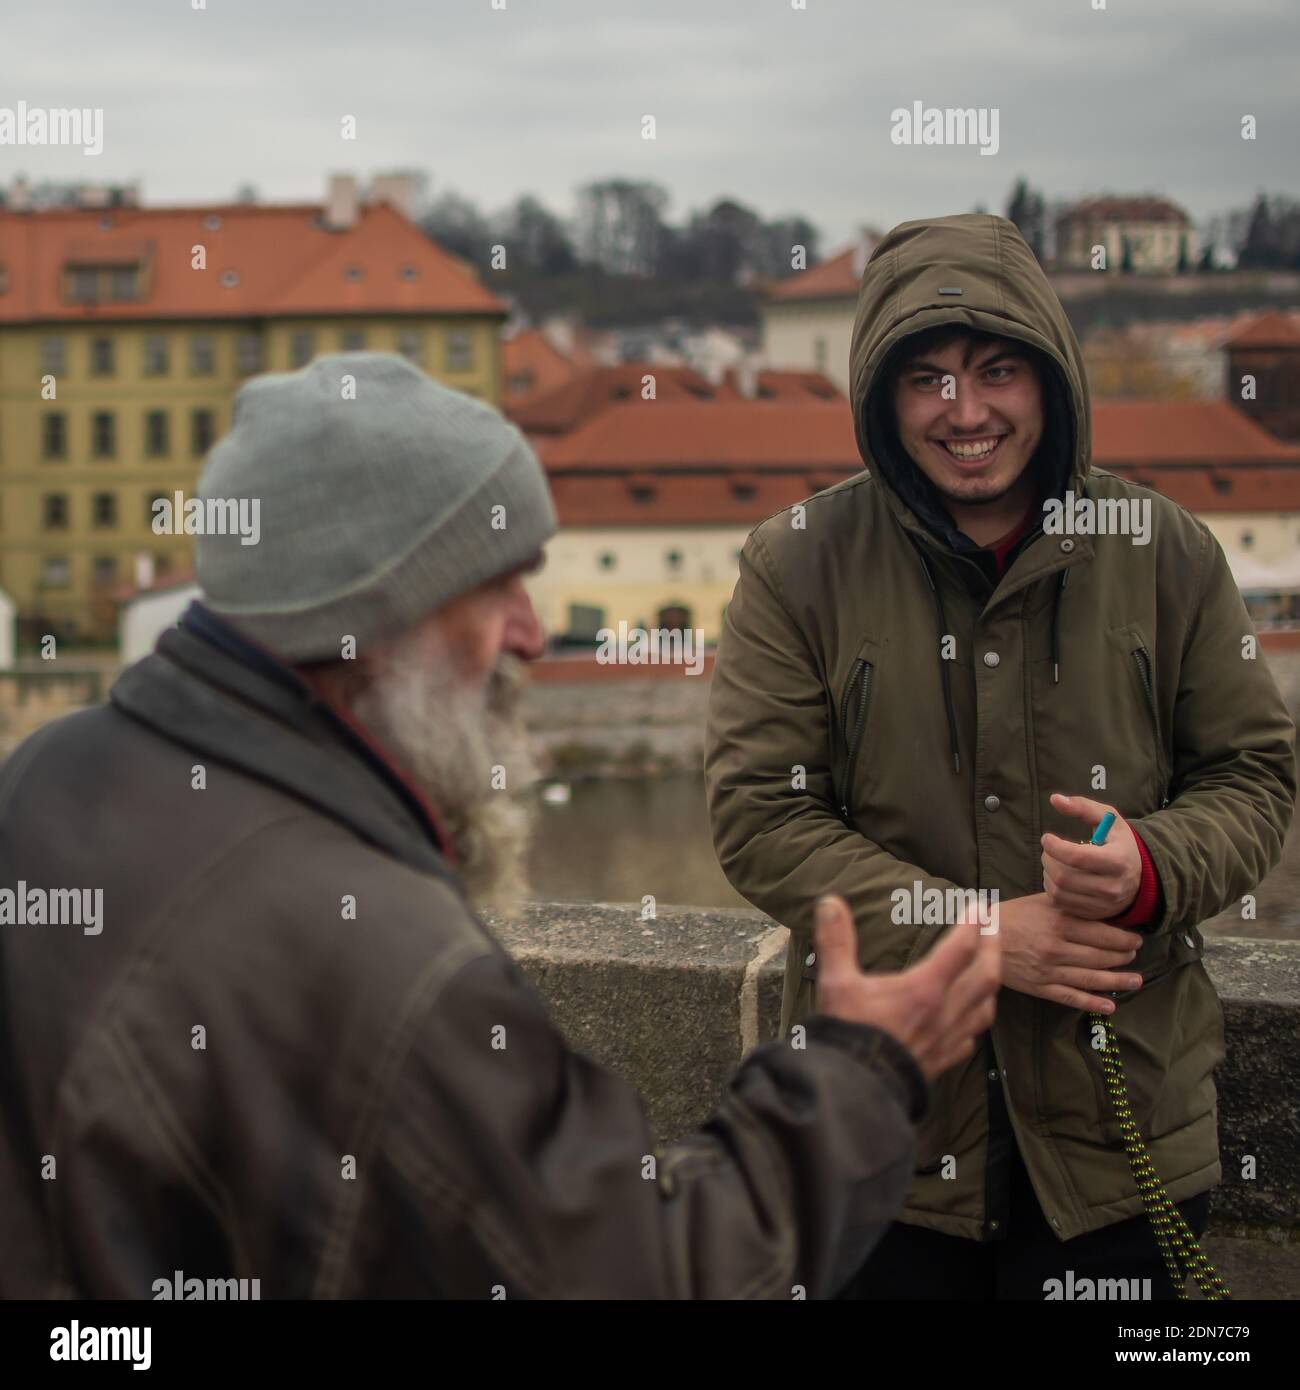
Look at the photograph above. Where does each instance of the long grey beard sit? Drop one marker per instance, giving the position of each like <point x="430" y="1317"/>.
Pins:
<point x="465" y="747"/>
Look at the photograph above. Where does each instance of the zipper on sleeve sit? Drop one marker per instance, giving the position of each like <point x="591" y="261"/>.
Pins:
<point x="853" y="714"/>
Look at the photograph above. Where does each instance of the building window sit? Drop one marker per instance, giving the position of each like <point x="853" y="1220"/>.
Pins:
<point x="155" y="434"/>
<point x="352" y="340"/>
<point x="155" y="355"/>
<point x="162" y="565"/>
<point x="54" y="511"/>
<point x="54" y="435"/>
<point x="302" y="347"/>
<point x="643" y="493"/>
<point x="202" y="431"/>
<point x="744" y="492"/>
<point x="607" y="560"/>
<point x="410" y="343"/>
<point x="103" y="434"/>
<point x="53" y="356"/>
<point x="460" y="350"/>
<point x="248" y="354"/>
<point x="673" y="559"/>
<point x="103" y="510"/>
<point x="101" y="357"/>
<point x="203" y="355"/>
<point x="84" y="286"/>
<point x="819" y="353"/>
<point x="123" y="282"/>
<point x="103" y="571"/>
<point x="1247" y="539"/>
<point x="56" y="573"/>
<point x="1221" y="484"/>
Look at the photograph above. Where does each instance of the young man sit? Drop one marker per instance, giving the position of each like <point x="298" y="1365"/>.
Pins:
<point x="925" y="684"/>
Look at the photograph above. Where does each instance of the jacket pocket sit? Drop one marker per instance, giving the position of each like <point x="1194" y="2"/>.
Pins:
<point x="855" y="701"/>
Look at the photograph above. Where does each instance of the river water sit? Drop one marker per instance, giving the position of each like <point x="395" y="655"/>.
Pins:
<point x="621" y="840"/>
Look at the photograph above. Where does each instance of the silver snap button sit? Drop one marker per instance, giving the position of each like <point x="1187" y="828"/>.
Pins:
<point x="1187" y="939"/>
<point x="993" y="1075"/>
<point x="1056" y="1221"/>
<point x="812" y="958"/>
<point x="991" y="658"/>
<point x="1067" y="545"/>
<point x="993" y="1225"/>
<point x="991" y="803"/>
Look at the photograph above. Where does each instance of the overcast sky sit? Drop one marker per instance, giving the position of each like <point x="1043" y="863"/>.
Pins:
<point x="786" y="110"/>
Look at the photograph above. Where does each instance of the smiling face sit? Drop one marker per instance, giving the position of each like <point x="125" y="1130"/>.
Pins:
<point x="973" y="441"/>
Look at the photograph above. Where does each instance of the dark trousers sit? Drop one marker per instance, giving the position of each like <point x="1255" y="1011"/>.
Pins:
<point x="913" y="1263"/>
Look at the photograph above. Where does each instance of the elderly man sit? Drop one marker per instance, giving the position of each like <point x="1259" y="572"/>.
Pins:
<point x="293" y="1053"/>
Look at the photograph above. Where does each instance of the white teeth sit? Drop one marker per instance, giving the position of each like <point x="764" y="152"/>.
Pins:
<point x="971" y="451"/>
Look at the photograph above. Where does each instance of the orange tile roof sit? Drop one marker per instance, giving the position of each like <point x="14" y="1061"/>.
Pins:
<point x="684" y="499"/>
<point x="1267" y="331"/>
<point x="1248" y="488"/>
<point x="676" y="434"/>
<point x="286" y="261"/>
<point x="592" y="390"/>
<point x="832" y="279"/>
<point x="531" y="354"/>
<point x="1189" y="432"/>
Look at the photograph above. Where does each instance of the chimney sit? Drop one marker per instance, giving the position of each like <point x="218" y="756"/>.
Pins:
<point x="341" y="203"/>
<point x="20" y="195"/>
<point x="396" y="191"/>
<point x="747" y="379"/>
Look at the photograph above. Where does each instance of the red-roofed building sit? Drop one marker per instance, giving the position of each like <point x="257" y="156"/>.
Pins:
<point x="808" y="317"/>
<point x="1145" y="235"/>
<point x="125" y="332"/>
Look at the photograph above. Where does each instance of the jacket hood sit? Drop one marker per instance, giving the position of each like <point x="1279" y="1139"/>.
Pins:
<point x="975" y="270"/>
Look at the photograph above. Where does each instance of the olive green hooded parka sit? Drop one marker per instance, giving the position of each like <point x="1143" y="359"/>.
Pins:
<point x="845" y="754"/>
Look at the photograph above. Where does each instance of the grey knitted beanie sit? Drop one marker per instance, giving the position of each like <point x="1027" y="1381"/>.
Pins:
<point x="380" y="496"/>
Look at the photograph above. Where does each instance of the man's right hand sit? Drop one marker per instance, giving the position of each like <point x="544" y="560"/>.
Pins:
<point x="936" y="1008"/>
<point x="1049" y="953"/>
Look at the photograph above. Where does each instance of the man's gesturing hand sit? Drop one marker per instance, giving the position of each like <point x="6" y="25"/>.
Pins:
<point x="936" y="1008"/>
<point x="1093" y="881"/>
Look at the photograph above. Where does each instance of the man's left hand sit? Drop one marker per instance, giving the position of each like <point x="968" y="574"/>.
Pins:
<point x="1091" y="881"/>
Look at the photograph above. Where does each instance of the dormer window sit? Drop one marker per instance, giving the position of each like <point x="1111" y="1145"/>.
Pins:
<point x="212" y="223"/>
<point x="229" y="279"/>
<point x="352" y="274"/>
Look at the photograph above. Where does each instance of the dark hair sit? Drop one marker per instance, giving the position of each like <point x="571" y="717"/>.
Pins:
<point x="933" y="339"/>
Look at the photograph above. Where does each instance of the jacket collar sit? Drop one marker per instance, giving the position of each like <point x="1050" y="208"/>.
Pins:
<point x="209" y="689"/>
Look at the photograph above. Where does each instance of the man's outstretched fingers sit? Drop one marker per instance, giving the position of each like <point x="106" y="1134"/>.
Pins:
<point x="835" y="941"/>
<point x="955" y="953"/>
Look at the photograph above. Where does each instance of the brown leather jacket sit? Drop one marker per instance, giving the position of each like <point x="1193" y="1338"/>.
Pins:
<point x="235" y="1079"/>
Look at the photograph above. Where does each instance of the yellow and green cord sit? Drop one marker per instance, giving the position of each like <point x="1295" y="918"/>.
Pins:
<point x="1179" y="1248"/>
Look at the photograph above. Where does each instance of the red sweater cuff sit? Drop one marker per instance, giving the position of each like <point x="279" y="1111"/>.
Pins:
<point x="1143" y="907"/>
